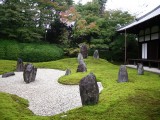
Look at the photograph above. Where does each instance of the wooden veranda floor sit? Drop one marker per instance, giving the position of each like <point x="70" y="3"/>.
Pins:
<point x="154" y="70"/>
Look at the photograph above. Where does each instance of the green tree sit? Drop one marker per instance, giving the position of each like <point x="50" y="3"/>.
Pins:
<point x="17" y="21"/>
<point x="101" y="4"/>
<point x="107" y="39"/>
<point x="27" y="20"/>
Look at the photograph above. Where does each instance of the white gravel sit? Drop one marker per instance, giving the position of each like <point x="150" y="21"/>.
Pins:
<point x="45" y="95"/>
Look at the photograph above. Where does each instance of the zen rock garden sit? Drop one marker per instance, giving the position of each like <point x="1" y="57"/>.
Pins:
<point x="88" y="89"/>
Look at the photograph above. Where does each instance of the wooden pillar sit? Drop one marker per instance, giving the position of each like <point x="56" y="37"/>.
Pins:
<point x="125" y="59"/>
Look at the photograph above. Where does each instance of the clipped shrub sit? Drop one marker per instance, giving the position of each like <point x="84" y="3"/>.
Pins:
<point x="39" y="53"/>
<point x="29" y="52"/>
<point x="2" y="51"/>
<point x="9" y="49"/>
<point x="12" y="51"/>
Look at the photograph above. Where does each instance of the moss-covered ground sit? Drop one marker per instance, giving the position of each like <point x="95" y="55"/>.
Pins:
<point x="138" y="99"/>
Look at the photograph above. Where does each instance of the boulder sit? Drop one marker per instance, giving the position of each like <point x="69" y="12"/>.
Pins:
<point x="140" y="69"/>
<point x="82" y="67"/>
<point x="29" y="73"/>
<point x="82" y="62"/>
<point x="84" y="50"/>
<point x="20" y="65"/>
<point x="8" y="74"/>
<point x="68" y="72"/>
<point x="96" y="54"/>
<point x="89" y="90"/>
<point x="123" y="74"/>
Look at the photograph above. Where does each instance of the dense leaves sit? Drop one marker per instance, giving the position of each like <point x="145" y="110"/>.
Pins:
<point x="61" y="22"/>
<point x="27" y="20"/>
<point x="29" y="52"/>
<point x="107" y="22"/>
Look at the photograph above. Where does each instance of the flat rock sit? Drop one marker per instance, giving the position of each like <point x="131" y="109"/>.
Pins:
<point x="8" y="74"/>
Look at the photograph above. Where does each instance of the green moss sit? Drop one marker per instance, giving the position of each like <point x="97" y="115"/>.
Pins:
<point x="7" y="66"/>
<point x="138" y="99"/>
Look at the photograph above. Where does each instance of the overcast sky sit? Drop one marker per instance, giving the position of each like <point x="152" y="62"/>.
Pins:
<point x="135" y="7"/>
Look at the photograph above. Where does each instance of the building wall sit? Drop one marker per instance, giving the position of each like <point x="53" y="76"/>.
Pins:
<point x="149" y="43"/>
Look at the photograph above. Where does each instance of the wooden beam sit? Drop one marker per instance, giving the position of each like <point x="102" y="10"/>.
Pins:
<point x="125" y="47"/>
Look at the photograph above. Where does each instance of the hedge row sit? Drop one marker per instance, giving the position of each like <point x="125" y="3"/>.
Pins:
<point x="29" y="52"/>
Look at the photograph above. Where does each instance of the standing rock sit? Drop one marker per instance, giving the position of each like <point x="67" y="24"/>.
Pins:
<point x="80" y="57"/>
<point x="89" y="90"/>
<point x="82" y="62"/>
<point x="8" y="74"/>
<point x="84" y="51"/>
<point x="123" y="74"/>
<point x="68" y="72"/>
<point x="82" y="66"/>
<point x="140" y="69"/>
<point x="19" y="65"/>
<point x="96" y="54"/>
<point x="29" y="73"/>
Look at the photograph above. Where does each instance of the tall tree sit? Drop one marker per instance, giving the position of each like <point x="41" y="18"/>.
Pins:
<point x="101" y="5"/>
<point x="27" y="20"/>
<point x="16" y="20"/>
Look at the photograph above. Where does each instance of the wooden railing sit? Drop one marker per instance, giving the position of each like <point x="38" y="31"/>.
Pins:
<point x="143" y="61"/>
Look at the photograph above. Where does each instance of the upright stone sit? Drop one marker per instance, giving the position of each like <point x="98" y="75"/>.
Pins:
<point x="20" y="65"/>
<point x="68" y="72"/>
<point x="81" y="67"/>
<point x="29" y="73"/>
<point x="84" y="51"/>
<point x="96" y="54"/>
<point x="82" y="62"/>
<point x="123" y="74"/>
<point x="80" y="57"/>
<point x="89" y="90"/>
<point x="140" y="69"/>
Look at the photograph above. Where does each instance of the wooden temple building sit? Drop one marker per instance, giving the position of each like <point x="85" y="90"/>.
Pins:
<point x="147" y="29"/>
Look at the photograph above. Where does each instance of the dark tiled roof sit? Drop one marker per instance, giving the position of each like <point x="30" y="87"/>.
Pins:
<point x="155" y="12"/>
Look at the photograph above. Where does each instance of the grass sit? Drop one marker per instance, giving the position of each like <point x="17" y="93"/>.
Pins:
<point x="138" y="99"/>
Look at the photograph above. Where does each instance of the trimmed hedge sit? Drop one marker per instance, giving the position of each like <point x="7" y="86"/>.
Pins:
<point x="29" y="52"/>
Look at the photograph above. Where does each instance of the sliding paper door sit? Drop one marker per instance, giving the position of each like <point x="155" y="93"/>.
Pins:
<point x="144" y="51"/>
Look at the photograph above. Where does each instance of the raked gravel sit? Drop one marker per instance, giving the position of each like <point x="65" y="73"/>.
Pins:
<point x="45" y="95"/>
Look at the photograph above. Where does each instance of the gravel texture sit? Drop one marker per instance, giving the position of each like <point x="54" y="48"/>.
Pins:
<point x="45" y="95"/>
